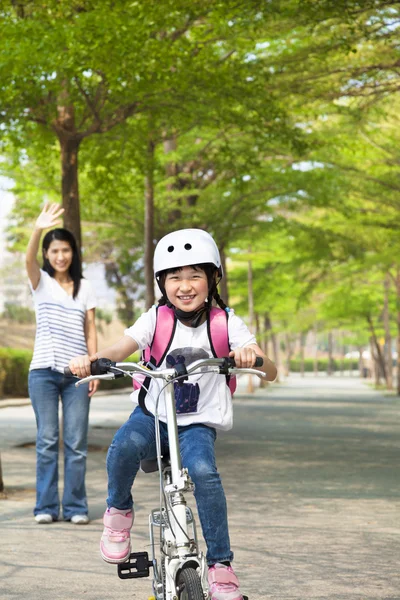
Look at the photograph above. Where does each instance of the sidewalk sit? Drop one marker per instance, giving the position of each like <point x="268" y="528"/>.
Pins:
<point x="311" y="473"/>
<point x="24" y="401"/>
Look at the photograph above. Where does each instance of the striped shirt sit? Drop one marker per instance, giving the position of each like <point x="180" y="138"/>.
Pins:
<point x="60" y="333"/>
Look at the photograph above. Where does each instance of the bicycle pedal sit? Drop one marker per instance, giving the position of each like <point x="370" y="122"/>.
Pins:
<point x="138" y="565"/>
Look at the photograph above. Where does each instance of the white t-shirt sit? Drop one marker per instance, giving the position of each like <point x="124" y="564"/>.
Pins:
<point x="204" y="398"/>
<point x="60" y="332"/>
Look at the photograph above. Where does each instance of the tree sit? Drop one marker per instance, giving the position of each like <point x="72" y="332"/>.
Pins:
<point x="76" y="69"/>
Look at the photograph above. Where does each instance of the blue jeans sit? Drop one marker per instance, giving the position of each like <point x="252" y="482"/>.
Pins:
<point x="46" y="386"/>
<point x="135" y="441"/>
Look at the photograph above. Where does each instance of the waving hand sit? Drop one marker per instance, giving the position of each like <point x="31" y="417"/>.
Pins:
<point x="49" y="217"/>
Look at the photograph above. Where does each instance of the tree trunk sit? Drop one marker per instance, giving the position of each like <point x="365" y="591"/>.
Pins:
<point x="149" y="226"/>
<point x="379" y="358"/>
<point x="398" y="331"/>
<point x="316" y="350"/>
<point x="267" y="333"/>
<point x="264" y="339"/>
<point x="257" y="328"/>
<point x="388" y="337"/>
<point x="275" y="344"/>
<point x="1" y="478"/>
<point x="360" y="361"/>
<point x="224" y="280"/>
<point x="302" y="344"/>
<point x="261" y="339"/>
<point x="250" y="296"/>
<point x="69" y="186"/>
<point x="342" y="353"/>
<point x="330" y="353"/>
<point x="171" y="171"/>
<point x="250" y="386"/>
<point x="69" y="139"/>
<point x="374" y="362"/>
<point x="398" y="354"/>
<point x="288" y="353"/>
<point x="126" y="310"/>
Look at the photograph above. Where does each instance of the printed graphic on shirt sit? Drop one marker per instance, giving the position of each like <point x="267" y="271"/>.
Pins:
<point x="186" y="395"/>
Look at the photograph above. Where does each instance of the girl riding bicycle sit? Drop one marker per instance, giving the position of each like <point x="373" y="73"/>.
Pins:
<point x="188" y="269"/>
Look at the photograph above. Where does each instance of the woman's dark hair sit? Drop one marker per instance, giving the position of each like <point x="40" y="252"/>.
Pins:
<point x="75" y="268"/>
<point x="210" y="270"/>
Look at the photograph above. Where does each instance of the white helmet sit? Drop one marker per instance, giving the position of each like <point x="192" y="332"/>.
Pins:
<point x="186" y="247"/>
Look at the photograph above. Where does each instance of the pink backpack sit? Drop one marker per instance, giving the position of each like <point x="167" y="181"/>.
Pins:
<point x="217" y="329"/>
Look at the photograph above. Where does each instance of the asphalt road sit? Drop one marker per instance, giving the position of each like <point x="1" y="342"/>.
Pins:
<point x="311" y="473"/>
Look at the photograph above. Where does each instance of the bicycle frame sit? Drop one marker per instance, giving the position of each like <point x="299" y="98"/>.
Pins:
<point x="178" y="545"/>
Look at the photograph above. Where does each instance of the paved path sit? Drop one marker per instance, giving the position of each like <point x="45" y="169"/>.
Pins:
<point x="311" y="472"/>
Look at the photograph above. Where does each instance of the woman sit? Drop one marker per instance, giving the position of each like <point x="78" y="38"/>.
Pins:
<point x="65" y="316"/>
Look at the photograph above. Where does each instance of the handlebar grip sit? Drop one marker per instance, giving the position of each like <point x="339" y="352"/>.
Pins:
<point x="259" y="362"/>
<point x="101" y="366"/>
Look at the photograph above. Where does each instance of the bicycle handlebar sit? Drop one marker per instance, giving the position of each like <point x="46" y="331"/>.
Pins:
<point x="103" y="368"/>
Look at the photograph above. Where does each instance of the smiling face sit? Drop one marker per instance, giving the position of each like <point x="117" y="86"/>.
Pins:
<point x="59" y="255"/>
<point x="187" y="288"/>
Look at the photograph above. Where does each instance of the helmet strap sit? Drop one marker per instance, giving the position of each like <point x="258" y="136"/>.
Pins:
<point x="194" y="317"/>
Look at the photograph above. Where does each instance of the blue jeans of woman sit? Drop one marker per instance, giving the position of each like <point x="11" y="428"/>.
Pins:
<point x="46" y="387"/>
<point x="135" y="441"/>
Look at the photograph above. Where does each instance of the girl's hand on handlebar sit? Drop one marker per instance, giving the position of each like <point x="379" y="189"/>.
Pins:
<point x="245" y="358"/>
<point x="80" y="365"/>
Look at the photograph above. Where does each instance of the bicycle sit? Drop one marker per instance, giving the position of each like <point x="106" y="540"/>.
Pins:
<point x="179" y="566"/>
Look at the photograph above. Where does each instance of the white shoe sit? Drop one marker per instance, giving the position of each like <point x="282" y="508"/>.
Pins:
<point x="43" y="518"/>
<point x="80" y="519"/>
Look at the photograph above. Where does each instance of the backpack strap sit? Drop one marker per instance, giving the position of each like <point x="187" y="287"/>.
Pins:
<point x="160" y="344"/>
<point x="217" y="329"/>
<point x="163" y="335"/>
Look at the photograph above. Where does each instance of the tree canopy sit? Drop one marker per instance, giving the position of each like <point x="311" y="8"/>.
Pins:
<point x="273" y="125"/>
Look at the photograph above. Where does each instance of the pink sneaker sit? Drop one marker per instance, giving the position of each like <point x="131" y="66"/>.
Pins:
<point x="224" y="585"/>
<point x="115" y="544"/>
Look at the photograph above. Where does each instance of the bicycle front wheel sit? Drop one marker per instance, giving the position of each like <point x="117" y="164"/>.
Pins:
<point x="189" y="585"/>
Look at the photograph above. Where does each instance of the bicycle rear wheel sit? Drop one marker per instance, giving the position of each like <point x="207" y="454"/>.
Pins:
<point x="189" y="585"/>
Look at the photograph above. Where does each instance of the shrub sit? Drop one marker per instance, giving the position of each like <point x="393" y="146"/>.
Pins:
<point x="348" y="364"/>
<point x="14" y="369"/>
<point x="18" y="314"/>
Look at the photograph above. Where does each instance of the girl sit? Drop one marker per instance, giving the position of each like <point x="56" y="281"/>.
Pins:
<point x="65" y="315"/>
<point x="187" y="267"/>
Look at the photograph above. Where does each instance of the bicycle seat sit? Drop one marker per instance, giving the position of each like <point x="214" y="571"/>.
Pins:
<point x="151" y="465"/>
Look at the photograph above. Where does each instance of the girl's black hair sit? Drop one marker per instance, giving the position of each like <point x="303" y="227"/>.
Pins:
<point x="75" y="268"/>
<point x="210" y="270"/>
